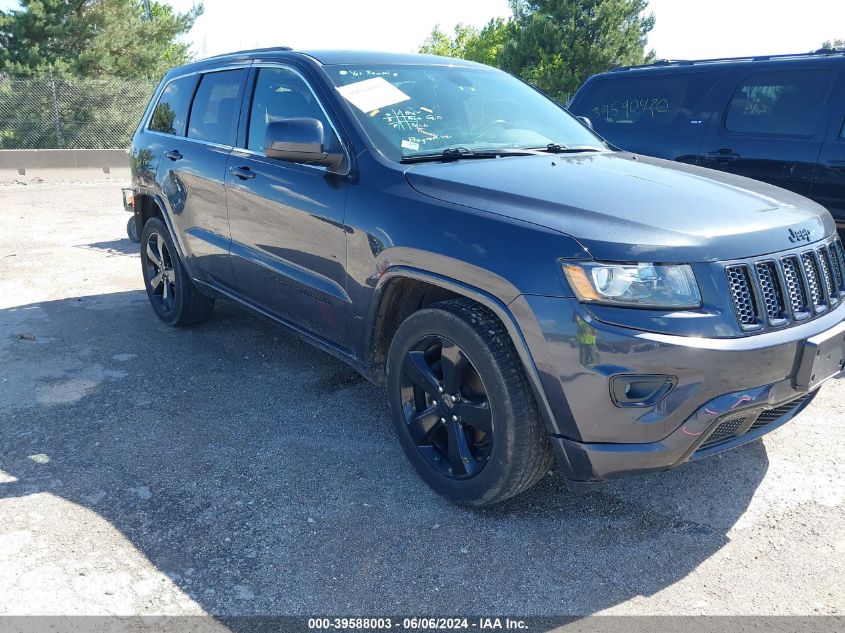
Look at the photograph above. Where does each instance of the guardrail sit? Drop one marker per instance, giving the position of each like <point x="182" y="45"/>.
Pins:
<point x="63" y="164"/>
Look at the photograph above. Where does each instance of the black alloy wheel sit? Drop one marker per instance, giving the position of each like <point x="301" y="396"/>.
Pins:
<point x="160" y="272"/>
<point x="174" y="297"/>
<point x="446" y="407"/>
<point x="461" y="404"/>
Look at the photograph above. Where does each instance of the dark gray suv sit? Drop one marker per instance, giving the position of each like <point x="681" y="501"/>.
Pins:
<point x="523" y="291"/>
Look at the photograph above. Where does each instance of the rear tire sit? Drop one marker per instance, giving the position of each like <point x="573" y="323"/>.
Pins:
<point x="132" y="230"/>
<point x="173" y="296"/>
<point x="480" y="440"/>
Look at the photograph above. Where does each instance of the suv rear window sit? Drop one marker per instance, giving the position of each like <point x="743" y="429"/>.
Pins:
<point x="786" y="103"/>
<point x="639" y="102"/>
<point x="214" y="115"/>
<point x="171" y="112"/>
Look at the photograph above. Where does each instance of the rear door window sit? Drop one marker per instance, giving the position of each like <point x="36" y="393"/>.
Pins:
<point x="171" y="112"/>
<point x="645" y="102"/>
<point x="214" y="115"/>
<point x="785" y="103"/>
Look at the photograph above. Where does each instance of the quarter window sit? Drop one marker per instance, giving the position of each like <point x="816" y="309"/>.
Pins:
<point x="214" y="115"/>
<point x="786" y="103"/>
<point x="281" y="94"/>
<point x="171" y="112"/>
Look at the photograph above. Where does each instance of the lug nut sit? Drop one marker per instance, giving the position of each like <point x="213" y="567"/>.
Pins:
<point x="454" y="418"/>
<point x="454" y="398"/>
<point x="440" y="390"/>
<point x="443" y="420"/>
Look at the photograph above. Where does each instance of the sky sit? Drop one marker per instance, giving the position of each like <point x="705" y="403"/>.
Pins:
<point x="686" y="29"/>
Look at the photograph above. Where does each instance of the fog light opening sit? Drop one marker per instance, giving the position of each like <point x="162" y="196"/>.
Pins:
<point x="640" y="391"/>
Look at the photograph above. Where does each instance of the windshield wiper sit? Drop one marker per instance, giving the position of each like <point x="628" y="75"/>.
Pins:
<point x="461" y="153"/>
<point x="559" y="148"/>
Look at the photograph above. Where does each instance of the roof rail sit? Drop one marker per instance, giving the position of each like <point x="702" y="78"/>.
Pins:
<point x="252" y="51"/>
<point x="746" y="58"/>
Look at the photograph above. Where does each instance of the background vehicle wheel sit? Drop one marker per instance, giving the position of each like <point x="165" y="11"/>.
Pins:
<point x="132" y="230"/>
<point x="173" y="296"/>
<point x="462" y="406"/>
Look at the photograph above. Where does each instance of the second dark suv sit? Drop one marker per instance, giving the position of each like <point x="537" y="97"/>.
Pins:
<point x="522" y="291"/>
<point x="775" y="118"/>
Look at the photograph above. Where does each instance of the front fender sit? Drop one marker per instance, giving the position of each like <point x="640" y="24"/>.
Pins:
<point x="492" y="303"/>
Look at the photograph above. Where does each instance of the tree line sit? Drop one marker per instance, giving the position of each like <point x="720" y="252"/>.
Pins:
<point x="79" y="73"/>
<point x="554" y="44"/>
<point x="94" y="38"/>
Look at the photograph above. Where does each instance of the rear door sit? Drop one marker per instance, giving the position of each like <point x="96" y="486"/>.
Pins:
<point x="192" y="169"/>
<point x="659" y="114"/>
<point x="773" y="125"/>
<point x="829" y="183"/>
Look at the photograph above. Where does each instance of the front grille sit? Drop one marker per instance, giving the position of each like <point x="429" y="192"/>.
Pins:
<point x="776" y="291"/>
<point x="771" y="415"/>
<point x="795" y="286"/>
<point x="772" y="293"/>
<point x="816" y="294"/>
<point x="740" y="282"/>
<point x="725" y="431"/>
<point x="830" y="282"/>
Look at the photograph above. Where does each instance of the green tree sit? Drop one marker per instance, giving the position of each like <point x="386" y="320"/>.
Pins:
<point x="837" y="43"/>
<point x="93" y="38"/>
<point x="468" y="42"/>
<point x="557" y="44"/>
<point x="554" y="44"/>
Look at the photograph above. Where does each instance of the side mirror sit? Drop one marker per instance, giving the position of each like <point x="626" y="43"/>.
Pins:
<point x="586" y="121"/>
<point x="299" y="141"/>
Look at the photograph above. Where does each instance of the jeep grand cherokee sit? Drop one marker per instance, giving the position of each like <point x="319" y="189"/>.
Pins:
<point x="523" y="291"/>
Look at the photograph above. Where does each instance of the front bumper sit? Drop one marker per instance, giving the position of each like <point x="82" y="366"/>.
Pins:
<point x="716" y="427"/>
<point x="728" y="391"/>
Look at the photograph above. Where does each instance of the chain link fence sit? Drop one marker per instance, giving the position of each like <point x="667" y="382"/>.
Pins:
<point x="62" y="113"/>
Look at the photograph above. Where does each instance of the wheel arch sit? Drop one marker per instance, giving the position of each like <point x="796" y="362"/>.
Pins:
<point x="147" y="206"/>
<point x="403" y="290"/>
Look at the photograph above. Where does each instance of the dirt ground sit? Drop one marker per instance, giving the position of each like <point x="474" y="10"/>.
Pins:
<point x="231" y="469"/>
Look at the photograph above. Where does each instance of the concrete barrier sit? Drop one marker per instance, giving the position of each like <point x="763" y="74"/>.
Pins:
<point x="63" y="164"/>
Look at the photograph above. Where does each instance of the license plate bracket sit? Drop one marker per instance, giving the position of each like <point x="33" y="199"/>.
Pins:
<point x="822" y="358"/>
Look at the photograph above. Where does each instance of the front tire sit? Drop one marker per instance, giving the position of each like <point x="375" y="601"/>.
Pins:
<point x="462" y="407"/>
<point x="172" y="294"/>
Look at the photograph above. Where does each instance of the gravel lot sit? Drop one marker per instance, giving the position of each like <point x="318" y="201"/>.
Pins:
<point x="231" y="469"/>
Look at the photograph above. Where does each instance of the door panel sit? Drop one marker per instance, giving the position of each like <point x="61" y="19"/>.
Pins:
<point x="288" y="247"/>
<point x="289" y="242"/>
<point x="193" y="182"/>
<point x="772" y="127"/>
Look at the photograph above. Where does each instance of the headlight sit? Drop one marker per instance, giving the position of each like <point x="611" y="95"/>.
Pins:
<point x="642" y="285"/>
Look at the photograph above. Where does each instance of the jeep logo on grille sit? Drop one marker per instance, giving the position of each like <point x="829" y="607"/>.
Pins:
<point x="801" y="235"/>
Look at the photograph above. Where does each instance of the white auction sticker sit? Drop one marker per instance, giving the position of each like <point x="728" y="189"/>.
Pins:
<point x="371" y="94"/>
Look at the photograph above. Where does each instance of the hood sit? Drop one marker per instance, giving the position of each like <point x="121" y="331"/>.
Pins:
<point x="623" y="207"/>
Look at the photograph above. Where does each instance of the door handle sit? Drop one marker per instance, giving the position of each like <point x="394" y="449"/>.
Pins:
<point x="244" y="173"/>
<point x="173" y="154"/>
<point x="724" y="154"/>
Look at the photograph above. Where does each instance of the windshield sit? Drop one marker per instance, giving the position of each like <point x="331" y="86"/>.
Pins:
<point x="409" y="110"/>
